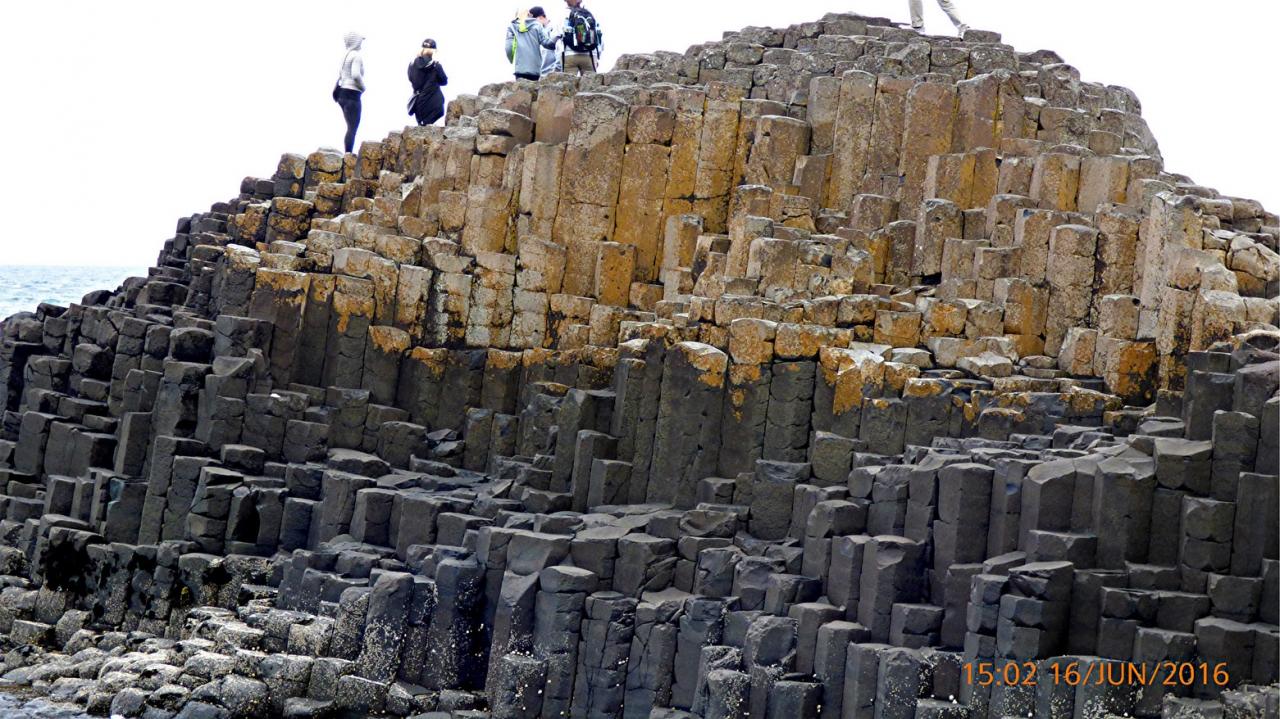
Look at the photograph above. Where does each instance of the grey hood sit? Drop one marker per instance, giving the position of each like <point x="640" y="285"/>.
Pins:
<point x="351" y="75"/>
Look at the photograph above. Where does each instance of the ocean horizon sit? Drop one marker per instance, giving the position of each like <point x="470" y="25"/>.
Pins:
<point x="23" y="287"/>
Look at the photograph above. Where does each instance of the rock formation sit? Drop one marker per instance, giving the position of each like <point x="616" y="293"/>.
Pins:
<point x="811" y="373"/>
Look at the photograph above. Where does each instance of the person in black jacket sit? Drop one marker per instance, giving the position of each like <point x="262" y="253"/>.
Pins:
<point x="427" y="77"/>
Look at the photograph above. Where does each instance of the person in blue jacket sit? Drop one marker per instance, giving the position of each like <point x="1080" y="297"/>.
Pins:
<point x="550" y="58"/>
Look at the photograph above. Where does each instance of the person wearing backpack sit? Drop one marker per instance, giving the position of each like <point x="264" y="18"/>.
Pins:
<point x="583" y="40"/>
<point x="350" y="86"/>
<point x="427" y="77"/>
<point x="526" y="39"/>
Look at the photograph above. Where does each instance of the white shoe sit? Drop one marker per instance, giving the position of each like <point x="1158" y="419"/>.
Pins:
<point x="962" y="30"/>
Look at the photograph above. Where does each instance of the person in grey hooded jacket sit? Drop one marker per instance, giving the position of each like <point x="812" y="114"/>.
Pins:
<point x="350" y="86"/>
<point x="526" y="38"/>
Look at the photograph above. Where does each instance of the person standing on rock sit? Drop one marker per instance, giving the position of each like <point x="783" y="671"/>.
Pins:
<point x="550" y="58"/>
<point x="427" y="77"/>
<point x="526" y="39"/>
<point x="583" y="40"/>
<point x="949" y="7"/>
<point x="350" y="86"/>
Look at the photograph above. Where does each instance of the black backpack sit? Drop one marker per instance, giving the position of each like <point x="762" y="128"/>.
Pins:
<point x="584" y="34"/>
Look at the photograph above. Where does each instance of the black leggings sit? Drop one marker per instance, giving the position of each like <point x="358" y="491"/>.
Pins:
<point x="349" y="101"/>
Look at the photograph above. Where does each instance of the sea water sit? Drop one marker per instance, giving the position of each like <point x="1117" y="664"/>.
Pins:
<point x="22" y="287"/>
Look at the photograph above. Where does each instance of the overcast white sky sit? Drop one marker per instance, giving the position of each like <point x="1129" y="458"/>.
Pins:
<point x="120" y="117"/>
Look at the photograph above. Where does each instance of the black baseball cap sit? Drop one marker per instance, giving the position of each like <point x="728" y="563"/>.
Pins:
<point x="537" y="11"/>
<point x="429" y="43"/>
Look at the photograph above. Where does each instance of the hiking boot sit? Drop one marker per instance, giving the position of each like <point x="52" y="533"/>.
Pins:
<point x="962" y="30"/>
